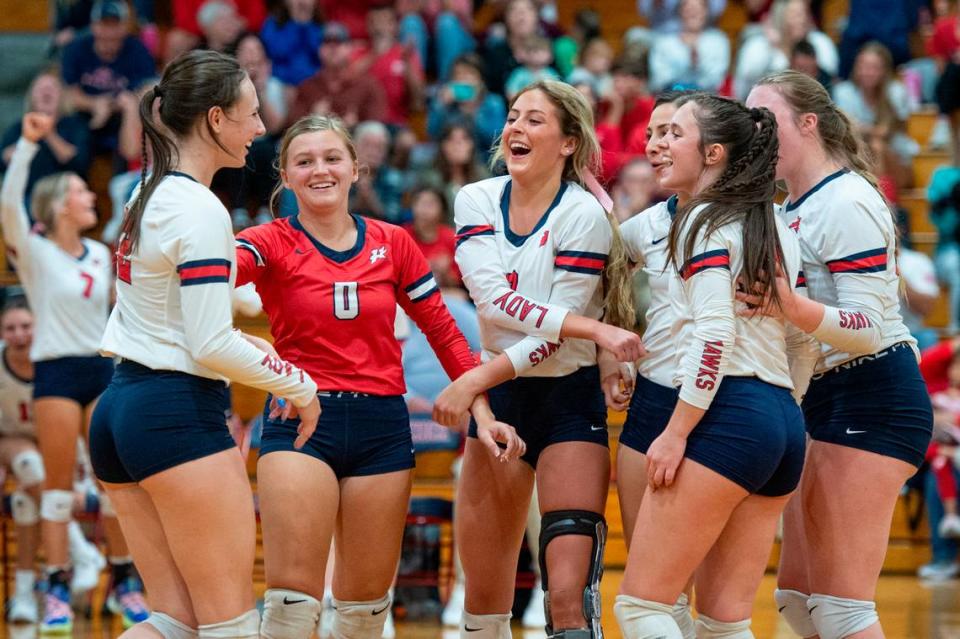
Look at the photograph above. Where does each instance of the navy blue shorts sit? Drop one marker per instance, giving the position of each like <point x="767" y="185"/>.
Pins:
<point x="753" y="435"/>
<point x="150" y="420"/>
<point x="876" y="403"/>
<point x="81" y="379"/>
<point x="551" y="410"/>
<point x="650" y="409"/>
<point x="357" y="434"/>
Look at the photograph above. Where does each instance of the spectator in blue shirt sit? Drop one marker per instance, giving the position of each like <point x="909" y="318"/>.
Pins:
<point x="292" y="37"/>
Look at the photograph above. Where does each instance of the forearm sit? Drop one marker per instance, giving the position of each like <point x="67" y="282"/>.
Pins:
<point x="489" y="374"/>
<point x="684" y="419"/>
<point x="62" y="150"/>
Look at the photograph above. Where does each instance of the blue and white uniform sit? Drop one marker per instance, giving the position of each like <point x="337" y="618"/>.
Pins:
<point x="69" y="295"/>
<point x="645" y="238"/>
<point x="738" y="370"/>
<point x="173" y="327"/>
<point x="867" y="392"/>
<point x="524" y="286"/>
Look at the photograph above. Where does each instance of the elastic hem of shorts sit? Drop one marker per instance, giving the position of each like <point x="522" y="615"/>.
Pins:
<point x="173" y="462"/>
<point x="605" y="443"/>
<point x="390" y="468"/>
<point x="723" y="472"/>
<point x="626" y="442"/>
<point x="916" y="460"/>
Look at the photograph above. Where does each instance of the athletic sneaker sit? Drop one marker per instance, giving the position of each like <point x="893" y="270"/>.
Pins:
<point x="535" y="616"/>
<point x="939" y="570"/>
<point x="453" y="612"/>
<point x="57" y="615"/>
<point x="23" y="608"/>
<point x="126" y="599"/>
<point x="949" y="527"/>
<point x="88" y="563"/>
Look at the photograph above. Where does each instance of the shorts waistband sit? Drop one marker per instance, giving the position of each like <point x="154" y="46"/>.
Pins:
<point x="863" y="359"/>
<point x="339" y="394"/>
<point x="131" y="367"/>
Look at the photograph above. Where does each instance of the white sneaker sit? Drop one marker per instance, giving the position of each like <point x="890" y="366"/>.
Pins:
<point x="949" y="527"/>
<point x="23" y="608"/>
<point x="939" y="570"/>
<point x="389" y="631"/>
<point x="87" y="566"/>
<point x="535" y="616"/>
<point x="453" y="611"/>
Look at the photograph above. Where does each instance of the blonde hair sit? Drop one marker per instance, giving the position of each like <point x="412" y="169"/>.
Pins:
<point x="576" y="121"/>
<point x="48" y="195"/>
<point x="837" y="134"/>
<point x="309" y="124"/>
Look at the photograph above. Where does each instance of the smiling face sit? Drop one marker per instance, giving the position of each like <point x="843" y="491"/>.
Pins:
<point x="78" y="205"/>
<point x="239" y="125"/>
<point x="682" y="160"/>
<point x="533" y="143"/>
<point x="319" y="170"/>
<point x="658" y="127"/>
<point x="45" y="94"/>
<point x="16" y="329"/>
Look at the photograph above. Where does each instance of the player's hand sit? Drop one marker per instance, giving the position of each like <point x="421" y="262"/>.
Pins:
<point x="618" y="387"/>
<point x="453" y="403"/>
<point x="491" y="432"/>
<point x="663" y="459"/>
<point x="763" y="304"/>
<point x="625" y="345"/>
<point x="309" y="416"/>
<point x="240" y="431"/>
<point x="36" y="126"/>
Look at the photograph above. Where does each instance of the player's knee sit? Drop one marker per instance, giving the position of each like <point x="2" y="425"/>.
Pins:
<point x="246" y="626"/>
<point x="28" y="468"/>
<point x="24" y="508"/>
<point x="792" y="605"/>
<point x="837" y="617"/>
<point x="56" y="505"/>
<point x="642" y="619"/>
<point x="485" y="626"/>
<point x="170" y="628"/>
<point x="708" y="628"/>
<point x="558" y="523"/>
<point x="360" y="619"/>
<point x="289" y="614"/>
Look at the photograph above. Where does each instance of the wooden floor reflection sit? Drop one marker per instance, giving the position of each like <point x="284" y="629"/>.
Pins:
<point x="908" y="608"/>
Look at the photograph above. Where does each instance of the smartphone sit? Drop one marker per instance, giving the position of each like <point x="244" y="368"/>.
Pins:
<point x="462" y="91"/>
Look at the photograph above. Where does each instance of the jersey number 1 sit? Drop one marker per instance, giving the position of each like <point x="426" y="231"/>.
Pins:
<point x="346" y="304"/>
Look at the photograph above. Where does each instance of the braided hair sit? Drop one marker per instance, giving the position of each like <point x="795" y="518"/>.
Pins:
<point x="743" y="192"/>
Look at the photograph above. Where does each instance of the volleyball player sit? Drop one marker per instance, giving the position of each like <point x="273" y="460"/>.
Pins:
<point x="867" y="410"/>
<point x="732" y="450"/>
<point x="158" y="440"/>
<point x="330" y="282"/>
<point x="68" y="281"/>
<point x="534" y="247"/>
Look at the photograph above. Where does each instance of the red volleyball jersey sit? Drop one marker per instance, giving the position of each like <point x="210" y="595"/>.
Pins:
<point x="332" y="312"/>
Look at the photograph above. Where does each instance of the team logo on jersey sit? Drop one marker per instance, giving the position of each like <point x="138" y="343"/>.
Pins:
<point x="123" y="260"/>
<point x="513" y="279"/>
<point x="543" y="238"/>
<point x="795" y="225"/>
<point x="378" y="254"/>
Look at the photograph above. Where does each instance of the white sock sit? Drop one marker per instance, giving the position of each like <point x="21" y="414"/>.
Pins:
<point x="24" y="581"/>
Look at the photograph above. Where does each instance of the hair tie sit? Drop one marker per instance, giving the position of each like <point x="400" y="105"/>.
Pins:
<point x="157" y="91"/>
<point x="593" y="185"/>
<point x="756" y="114"/>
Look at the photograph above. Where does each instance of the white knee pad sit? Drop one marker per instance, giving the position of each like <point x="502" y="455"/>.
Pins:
<point x="169" y="627"/>
<point x="56" y="505"/>
<point x="681" y="614"/>
<point x="24" y="509"/>
<point x="246" y="626"/>
<point x="289" y="614"/>
<point x="485" y="626"/>
<point x="642" y="619"/>
<point x="708" y="628"/>
<point x="836" y="617"/>
<point x="106" y="506"/>
<point x="792" y="605"/>
<point x="360" y="619"/>
<point x="28" y="468"/>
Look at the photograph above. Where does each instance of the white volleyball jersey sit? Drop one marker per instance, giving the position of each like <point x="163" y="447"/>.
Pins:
<point x="848" y="245"/>
<point x="645" y="239"/>
<point x="69" y="296"/>
<point x="712" y="340"/>
<point x="16" y="401"/>
<point x="524" y="285"/>
<point x="173" y="296"/>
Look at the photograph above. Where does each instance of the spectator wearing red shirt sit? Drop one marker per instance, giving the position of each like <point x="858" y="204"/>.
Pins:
<point x="431" y="232"/>
<point x="945" y="40"/>
<point x="630" y="83"/>
<point x="186" y="32"/>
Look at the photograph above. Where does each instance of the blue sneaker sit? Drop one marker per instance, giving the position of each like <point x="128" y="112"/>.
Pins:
<point x="57" y="615"/>
<point x="126" y="599"/>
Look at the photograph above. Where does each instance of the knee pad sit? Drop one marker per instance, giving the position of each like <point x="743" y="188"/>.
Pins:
<point x="557" y="523"/>
<point x="169" y="627"/>
<point x="792" y="606"/>
<point x="485" y="626"/>
<point x="289" y="614"/>
<point x="836" y="617"/>
<point x="246" y="626"/>
<point x="56" y="505"/>
<point x="681" y="614"/>
<point x="24" y="509"/>
<point x="106" y="506"/>
<point x="642" y="619"/>
<point x="708" y="628"/>
<point x="360" y="619"/>
<point x="28" y="468"/>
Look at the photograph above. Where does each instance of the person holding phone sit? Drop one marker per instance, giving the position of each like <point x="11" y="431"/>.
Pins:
<point x="465" y="99"/>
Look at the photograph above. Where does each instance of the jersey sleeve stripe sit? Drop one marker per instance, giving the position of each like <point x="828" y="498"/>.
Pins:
<point x="418" y="283"/>
<point x="422" y="288"/>
<point x="580" y="262"/>
<point x="429" y="293"/>
<point x="466" y="232"/>
<point x="801" y="280"/>
<point x="872" y="261"/>
<point x="204" y="272"/>
<point x="719" y="258"/>
<point x="247" y="244"/>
